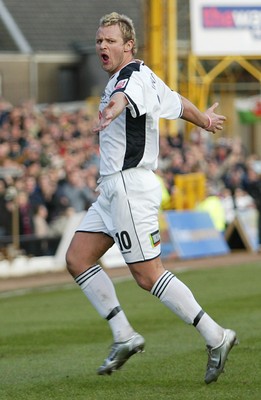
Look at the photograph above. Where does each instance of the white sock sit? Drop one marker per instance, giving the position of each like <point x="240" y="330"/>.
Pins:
<point x="210" y="330"/>
<point x="99" y="289"/>
<point x="179" y="299"/>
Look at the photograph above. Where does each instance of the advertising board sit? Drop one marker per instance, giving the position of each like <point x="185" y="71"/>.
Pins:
<point x="225" y="27"/>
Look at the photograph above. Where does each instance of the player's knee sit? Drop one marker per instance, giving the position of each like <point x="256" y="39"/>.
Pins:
<point x="74" y="260"/>
<point x="146" y="274"/>
<point x="144" y="283"/>
<point x="79" y="259"/>
<point x="70" y="260"/>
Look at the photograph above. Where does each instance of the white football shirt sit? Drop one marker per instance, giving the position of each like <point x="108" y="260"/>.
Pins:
<point x="132" y="139"/>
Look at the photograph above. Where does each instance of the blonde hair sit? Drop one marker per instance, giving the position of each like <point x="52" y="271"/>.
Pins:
<point x="125" y="24"/>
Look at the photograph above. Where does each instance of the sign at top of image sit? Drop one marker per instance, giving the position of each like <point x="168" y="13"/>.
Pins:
<point x="225" y="27"/>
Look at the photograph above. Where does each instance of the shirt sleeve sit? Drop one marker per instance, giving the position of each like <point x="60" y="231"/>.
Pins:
<point x="148" y="94"/>
<point x="170" y="102"/>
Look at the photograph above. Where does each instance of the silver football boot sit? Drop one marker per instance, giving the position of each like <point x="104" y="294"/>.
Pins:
<point x="217" y="356"/>
<point x="120" y="353"/>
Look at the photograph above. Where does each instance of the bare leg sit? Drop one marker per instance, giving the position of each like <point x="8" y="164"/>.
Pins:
<point x="85" y="250"/>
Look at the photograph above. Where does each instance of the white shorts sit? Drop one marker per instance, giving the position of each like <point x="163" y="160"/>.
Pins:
<point x="127" y="209"/>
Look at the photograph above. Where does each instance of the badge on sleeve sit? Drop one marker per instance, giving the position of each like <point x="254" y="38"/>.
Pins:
<point x="121" y="84"/>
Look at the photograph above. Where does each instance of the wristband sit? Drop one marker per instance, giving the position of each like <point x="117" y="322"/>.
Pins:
<point x="209" y="122"/>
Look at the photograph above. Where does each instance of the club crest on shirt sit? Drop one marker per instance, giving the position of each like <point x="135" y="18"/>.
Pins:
<point x="121" y="84"/>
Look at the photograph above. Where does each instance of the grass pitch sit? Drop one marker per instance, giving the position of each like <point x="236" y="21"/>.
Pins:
<point x="52" y="341"/>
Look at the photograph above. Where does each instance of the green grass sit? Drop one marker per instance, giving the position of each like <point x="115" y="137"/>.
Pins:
<point x="51" y="343"/>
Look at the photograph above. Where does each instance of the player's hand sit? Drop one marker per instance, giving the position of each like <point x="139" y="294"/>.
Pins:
<point x="216" y="121"/>
<point x="113" y="109"/>
<point x="105" y="117"/>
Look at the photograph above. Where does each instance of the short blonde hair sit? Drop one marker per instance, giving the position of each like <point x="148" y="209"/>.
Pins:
<point x="125" y="24"/>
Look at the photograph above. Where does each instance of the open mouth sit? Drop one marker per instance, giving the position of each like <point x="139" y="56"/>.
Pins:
<point x="105" y="57"/>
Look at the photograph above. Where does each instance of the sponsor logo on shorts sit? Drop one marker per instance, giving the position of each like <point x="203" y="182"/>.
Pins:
<point x="155" y="238"/>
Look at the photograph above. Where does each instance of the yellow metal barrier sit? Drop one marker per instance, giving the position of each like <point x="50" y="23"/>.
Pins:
<point x="190" y="189"/>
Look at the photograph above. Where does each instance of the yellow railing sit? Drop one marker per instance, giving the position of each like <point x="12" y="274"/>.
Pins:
<point x="189" y="190"/>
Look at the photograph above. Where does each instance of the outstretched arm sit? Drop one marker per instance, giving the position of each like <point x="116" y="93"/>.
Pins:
<point x="115" y="107"/>
<point x="210" y="121"/>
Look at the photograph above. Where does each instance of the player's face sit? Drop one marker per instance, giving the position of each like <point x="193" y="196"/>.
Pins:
<point x="111" y="49"/>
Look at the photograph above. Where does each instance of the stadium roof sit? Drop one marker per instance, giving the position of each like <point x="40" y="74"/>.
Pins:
<point x="6" y="41"/>
<point x="61" y="25"/>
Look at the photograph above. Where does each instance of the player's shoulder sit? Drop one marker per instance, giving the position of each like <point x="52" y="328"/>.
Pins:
<point x="129" y="69"/>
<point x="136" y="69"/>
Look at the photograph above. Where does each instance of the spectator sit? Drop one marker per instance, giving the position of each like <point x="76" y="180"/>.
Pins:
<point x="6" y="211"/>
<point x="243" y="200"/>
<point x="165" y="153"/>
<point x="228" y="204"/>
<point x="234" y="178"/>
<point x="253" y="187"/>
<point x="41" y="226"/>
<point x="177" y="162"/>
<point x="26" y="226"/>
<point x="51" y="196"/>
<point x="239" y="201"/>
<point x="213" y="175"/>
<point x="212" y="204"/>
<point x="77" y="193"/>
<point x="5" y="108"/>
<point x="33" y="191"/>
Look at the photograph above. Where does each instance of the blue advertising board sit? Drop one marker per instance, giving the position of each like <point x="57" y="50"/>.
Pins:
<point x="194" y="235"/>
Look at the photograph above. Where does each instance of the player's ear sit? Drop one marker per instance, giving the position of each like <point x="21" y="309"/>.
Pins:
<point x="128" y="45"/>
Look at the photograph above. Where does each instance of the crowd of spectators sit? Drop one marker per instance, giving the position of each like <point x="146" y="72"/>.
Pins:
<point x="233" y="175"/>
<point x="49" y="162"/>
